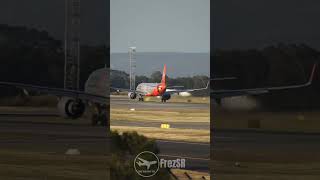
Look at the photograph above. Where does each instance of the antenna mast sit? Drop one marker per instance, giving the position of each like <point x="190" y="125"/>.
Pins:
<point x="72" y="45"/>
<point x="132" y="61"/>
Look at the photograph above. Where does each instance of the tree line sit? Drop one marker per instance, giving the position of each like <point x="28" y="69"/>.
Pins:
<point x="32" y="56"/>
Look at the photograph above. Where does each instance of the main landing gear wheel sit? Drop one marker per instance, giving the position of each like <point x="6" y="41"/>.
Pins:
<point x="101" y="117"/>
<point x="141" y="98"/>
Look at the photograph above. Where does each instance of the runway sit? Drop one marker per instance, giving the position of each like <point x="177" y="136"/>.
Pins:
<point x="122" y="102"/>
<point x="269" y="155"/>
<point x="58" y="137"/>
<point x="254" y="140"/>
<point x="125" y="102"/>
<point x="180" y="125"/>
<point x="197" y="155"/>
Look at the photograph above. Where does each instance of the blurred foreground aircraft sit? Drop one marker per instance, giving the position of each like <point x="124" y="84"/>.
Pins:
<point x="72" y="103"/>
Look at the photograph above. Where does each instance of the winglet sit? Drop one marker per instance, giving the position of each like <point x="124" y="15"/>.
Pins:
<point x="208" y="84"/>
<point x="312" y="73"/>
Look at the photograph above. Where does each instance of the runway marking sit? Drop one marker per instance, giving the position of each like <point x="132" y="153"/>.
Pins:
<point x="185" y="157"/>
<point x="184" y="142"/>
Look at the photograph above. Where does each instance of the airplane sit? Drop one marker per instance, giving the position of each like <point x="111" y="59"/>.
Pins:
<point x="143" y="162"/>
<point x="157" y="89"/>
<point x="72" y="103"/>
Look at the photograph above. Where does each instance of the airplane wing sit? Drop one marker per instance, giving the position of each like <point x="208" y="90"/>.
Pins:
<point x="256" y="91"/>
<point x="121" y="89"/>
<point x="127" y="90"/>
<point x="172" y="91"/>
<point x="173" y="87"/>
<point x="60" y="92"/>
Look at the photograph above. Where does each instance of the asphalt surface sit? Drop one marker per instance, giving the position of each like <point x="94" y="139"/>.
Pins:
<point x="58" y="137"/>
<point x="197" y="155"/>
<point x="124" y="102"/>
<point x="266" y="146"/>
<point x="181" y="125"/>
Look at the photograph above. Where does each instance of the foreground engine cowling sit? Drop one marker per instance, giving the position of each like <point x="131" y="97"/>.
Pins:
<point x="166" y="96"/>
<point x="132" y="95"/>
<point x="184" y="94"/>
<point x="71" y="108"/>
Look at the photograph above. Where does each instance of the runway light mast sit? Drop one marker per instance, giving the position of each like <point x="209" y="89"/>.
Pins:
<point x="132" y="66"/>
<point x="72" y="45"/>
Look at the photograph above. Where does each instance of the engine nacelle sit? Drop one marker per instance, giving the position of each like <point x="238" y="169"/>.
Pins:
<point x="132" y="95"/>
<point x="71" y="108"/>
<point x="166" y="96"/>
<point x="184" y="94"/>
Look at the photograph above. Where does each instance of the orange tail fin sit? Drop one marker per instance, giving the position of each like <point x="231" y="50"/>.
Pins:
<point x="163" y="80"/>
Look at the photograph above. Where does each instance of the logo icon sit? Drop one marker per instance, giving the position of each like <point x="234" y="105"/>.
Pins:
<point x="146" y="164"/>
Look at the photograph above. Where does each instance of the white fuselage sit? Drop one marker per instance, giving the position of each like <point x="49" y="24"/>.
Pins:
<point x="147" y="88"/>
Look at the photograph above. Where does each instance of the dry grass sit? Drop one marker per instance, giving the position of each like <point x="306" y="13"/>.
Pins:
<point x="32" y="165"/>
<point x="279" y="121"/>
<point x="189" y="135"/>
<point x="161" y="116"/>
<point x="180" y="173"/>
<point x="266" y="163"/>
<point x="265" y="171"/>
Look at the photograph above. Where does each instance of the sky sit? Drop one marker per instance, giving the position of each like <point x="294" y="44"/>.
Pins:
<point x="243" y="24"/>
<point x="160" y="25"/>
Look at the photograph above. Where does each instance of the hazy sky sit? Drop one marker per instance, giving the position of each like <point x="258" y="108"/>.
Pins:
<point x="160" y="25"/>
<point x="259" y="23"/>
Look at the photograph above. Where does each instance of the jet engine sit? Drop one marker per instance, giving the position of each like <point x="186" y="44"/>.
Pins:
<point x="166" y="96"/>
<point x="132" y="95"/>
<point x="71" y="108"/>
<point x="184" y="94"/>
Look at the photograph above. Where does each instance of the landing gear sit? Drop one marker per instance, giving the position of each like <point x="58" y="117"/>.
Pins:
<point x="101" y="116"/>
<point x="141" y="98"/>
<point x="165" y="97"/>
